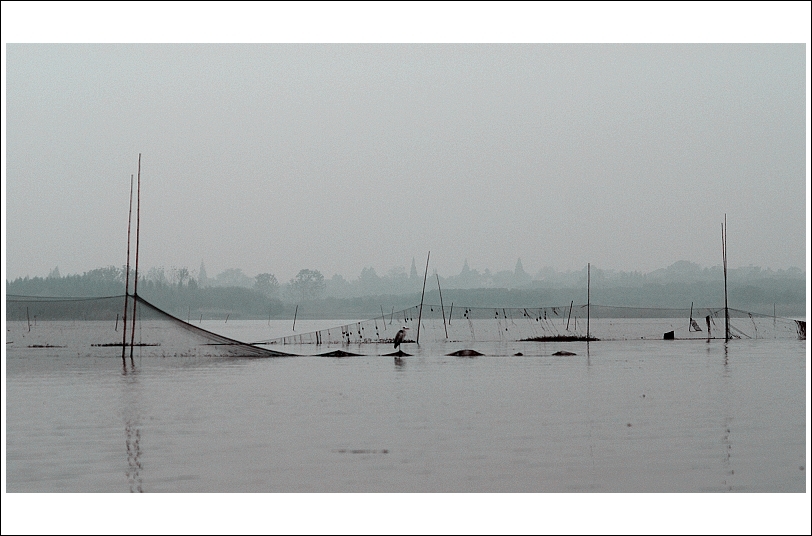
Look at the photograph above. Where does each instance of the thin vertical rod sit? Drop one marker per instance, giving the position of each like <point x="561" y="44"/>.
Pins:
<point x="587" y="301"/>
<point x="691" y="317"/>
<point x="441" y="305"/>
<point x="294" y="316"/>
<point x="383" y="319"/>
<point x="137" y="239"/>
<point x="127" y="276"/>
<point x="724" y="265"/>
<point x="569" y="315"/>
<point x="420" y="314"/>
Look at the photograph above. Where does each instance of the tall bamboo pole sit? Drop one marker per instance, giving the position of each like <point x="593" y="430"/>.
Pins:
<point x="127" y="276"/>
<point x="569" y="315"/>
<point x="420" y="314"/>
<point x="691" y="317"/>
<point x="441" y="304"/>
<point x="587" y="302"/>
<point x="137" y="238"/>
<point x="724" y="267"/>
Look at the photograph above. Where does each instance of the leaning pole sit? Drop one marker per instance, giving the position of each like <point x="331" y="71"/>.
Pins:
<point x="420" y="314"/>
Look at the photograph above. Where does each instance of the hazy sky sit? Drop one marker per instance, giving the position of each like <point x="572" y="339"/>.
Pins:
<point x="337" y="157"/>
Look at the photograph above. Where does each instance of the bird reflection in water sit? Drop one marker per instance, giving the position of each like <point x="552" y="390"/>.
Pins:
<point x="132" y="432"/>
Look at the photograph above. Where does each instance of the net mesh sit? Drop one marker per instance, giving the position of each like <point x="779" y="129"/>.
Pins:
<point x="94" y="327"/>
<point x="565" y="323"/>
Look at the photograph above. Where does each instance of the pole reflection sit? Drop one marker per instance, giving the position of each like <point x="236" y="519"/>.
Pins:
<point x="727" y="469"/>
<point x="132" y="428"/>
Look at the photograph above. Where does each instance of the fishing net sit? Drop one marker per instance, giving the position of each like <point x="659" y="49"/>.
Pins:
<point x="566" y="323"/>
<point x="94" y="327"/>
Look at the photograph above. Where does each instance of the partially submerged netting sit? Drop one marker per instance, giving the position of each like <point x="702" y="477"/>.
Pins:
<point x="95" y="327"/>
<point x="565" y="323"/>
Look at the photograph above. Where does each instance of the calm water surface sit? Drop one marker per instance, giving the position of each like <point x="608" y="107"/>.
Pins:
<point x="628" y="416"/>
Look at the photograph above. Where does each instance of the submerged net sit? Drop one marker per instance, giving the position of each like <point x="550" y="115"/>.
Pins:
<point x="94" y="327"/>
<point x="565" y="323"/>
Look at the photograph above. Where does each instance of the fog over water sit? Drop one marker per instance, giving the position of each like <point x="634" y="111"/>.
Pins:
<point x="337" y="157"/>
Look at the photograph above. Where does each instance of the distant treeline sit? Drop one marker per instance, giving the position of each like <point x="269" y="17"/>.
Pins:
<point x="178" y="299"/>
<point x="312" y="284"/>
<point x="785" y="297"/>
<point x="784" y="294"/>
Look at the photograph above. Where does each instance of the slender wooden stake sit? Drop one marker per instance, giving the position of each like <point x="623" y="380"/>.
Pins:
<point x="420" y="314"/>
<point x="451" y="312"/>
<point x="724" y="266"/>
<point x="383" y="319"/>
<point x="127" y="276"/>
<point x="294" y="317"/>
<point x="587" y="302"/>
<point x="441" y="305"/>
<point x="691" y="317"/>
<point x="137" y="238"/>
<point x="28" y="318"/>
<point x="116" y="322"/>
<point x="569" y="315"/>
<point x="227" y="315"/>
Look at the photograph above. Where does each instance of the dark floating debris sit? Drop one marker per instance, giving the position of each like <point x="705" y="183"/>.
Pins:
<point x="668" y="336"/>
<point x="399" y="353"/>
<point x="338" y="353"/>
<point x="564" y="352"/>
<point x="518" y="354"/>
<point x="465" y="353"/>
<point x="47" y="346"/>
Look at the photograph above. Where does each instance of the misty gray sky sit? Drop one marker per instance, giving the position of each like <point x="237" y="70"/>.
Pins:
<point x="337" y="157"/>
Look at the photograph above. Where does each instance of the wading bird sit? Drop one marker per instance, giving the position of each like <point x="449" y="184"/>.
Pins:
<point x="400" y="336"/>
